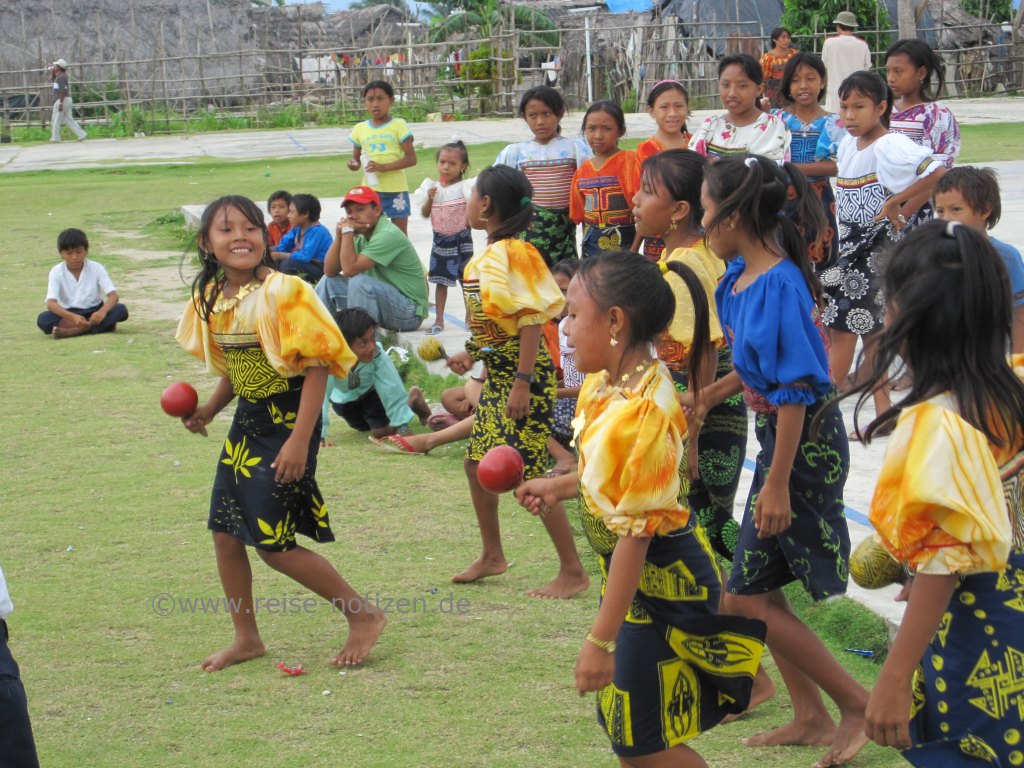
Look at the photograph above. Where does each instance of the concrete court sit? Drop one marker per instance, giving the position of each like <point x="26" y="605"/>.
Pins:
<point x="276" y="145"/>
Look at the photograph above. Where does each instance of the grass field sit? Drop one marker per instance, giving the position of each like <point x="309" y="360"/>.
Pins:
<point x="104" y="510"/>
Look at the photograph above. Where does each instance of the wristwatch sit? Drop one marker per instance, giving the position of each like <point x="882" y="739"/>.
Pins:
<point x="529" y="378"/>
<point x="608" y="646"/>
<point x="347" y="230"/>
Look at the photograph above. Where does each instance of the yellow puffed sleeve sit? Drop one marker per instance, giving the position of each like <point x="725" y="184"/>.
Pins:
<point x="630" y="446"/>
<point x="939" y="504"/>
<point x="516" y="286"/>
<point x="683" y="321"/>
<point x="296" y="331"/>
<point x="194" y="337"/>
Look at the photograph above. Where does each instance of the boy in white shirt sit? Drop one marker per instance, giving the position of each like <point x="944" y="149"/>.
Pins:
<point x="80" y="297"/>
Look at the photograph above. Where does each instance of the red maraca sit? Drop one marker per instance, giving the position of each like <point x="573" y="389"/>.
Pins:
<point x="179" y="399"/>
<point x="501" y="469"/>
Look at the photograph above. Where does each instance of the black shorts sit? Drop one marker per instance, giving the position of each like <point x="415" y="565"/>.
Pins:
<point x="364" y="414"/>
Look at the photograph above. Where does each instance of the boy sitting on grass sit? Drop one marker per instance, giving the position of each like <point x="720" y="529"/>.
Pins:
<point x="372" y="398"/>
<point x="80" y="297"/>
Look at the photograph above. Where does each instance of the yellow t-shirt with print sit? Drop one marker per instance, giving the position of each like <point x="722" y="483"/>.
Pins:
<point x="383" y="144"/>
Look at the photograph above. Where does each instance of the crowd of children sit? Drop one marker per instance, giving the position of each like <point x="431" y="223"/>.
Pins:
<point x="624" y="379"/>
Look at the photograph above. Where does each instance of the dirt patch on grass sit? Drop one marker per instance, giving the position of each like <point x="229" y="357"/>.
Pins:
<point x="154" y="293"/>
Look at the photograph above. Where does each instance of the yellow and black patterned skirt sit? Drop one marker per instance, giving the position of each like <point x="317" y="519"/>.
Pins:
<point x="247" y="502"/>
<point x="680" y="668"/>
<point x="969" y="691"/>
<point x="491" y="427"/>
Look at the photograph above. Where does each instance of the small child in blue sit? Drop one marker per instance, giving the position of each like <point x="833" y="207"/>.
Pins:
<point x="372" y="399"/>
<point x="970" y="196"/>
<point x="303" y="248"/>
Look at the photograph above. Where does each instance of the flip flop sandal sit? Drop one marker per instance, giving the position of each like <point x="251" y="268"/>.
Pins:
<point x="434" y="330"/>
<point x="396" y="444"/>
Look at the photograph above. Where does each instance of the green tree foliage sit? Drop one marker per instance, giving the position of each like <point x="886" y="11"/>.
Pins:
<point x="804" y="18"/>
<point x="483" y="18"/>
<point x="993" y="10"/>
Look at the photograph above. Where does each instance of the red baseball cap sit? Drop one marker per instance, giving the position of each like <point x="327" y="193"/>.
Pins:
<point x="361" y="195"/>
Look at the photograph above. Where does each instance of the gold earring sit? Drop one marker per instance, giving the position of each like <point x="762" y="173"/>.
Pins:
<point x="732" y="225"/>
<point x="613" y="341"/>
<point x="672" y="225"/>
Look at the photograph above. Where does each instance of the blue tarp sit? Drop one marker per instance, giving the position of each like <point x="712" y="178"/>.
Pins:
<point x="624" y="6"/>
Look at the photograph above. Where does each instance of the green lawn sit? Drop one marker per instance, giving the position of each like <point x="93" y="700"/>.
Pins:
<point x="104" y="509"/>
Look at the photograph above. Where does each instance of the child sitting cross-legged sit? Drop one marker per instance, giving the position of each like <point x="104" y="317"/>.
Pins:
<point x="372" y="398"/>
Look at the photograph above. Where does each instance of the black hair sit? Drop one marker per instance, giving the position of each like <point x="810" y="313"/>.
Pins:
<point x="873" y="86"/>
<point x="979" y="187"/>
<point x="779" y="32"/>
<point x="72" y="238"/>
<point x="546" y="95"/>
<point x="280" y="195"/>
<point x="354" y="322"/>
<point x="379" y="85"/>
<point x="758" y="189"/>
<point x="609" y="108"/>
<point x="951" y="327"/>
<point x="459" y="147"/>
<point x="681" y="173"/>
<point x="921" y="55"/>
<point x="666" y="85"/>
<point x="566" y="267"/>
<point x="635" y="284"/>
<point x="803" y="59"/>
<point x="307" y="204"/>
<point x="208" y="284"/>
<point x="510" y="193"/>
<point x="751" y="67"/>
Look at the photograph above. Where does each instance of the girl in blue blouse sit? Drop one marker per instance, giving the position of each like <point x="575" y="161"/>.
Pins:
<point x="793" y="528"/>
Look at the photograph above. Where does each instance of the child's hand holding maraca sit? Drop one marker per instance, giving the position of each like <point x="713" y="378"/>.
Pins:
<point x="537" y="496"/>
<point x="198" y="419"/>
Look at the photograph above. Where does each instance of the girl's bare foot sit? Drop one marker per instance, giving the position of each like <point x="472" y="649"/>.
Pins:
<point x="418" y="403"/>
<point x="236" y="653"/>
<point x="848" y="741"/>
<point x="362" y="636"/>
<point x="563" y="586"/>
<point x="810" y="733"/>
<point x="481" y="569"/>
<point x="764" y="689"/>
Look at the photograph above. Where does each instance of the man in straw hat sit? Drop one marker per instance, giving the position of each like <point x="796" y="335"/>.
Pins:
<point x="62" y="103"/>
<point x="843" y="55"/>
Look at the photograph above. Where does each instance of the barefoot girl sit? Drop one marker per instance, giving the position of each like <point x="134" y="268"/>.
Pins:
<point x="815" y="140"/>
<point x="603" y="186"/>
<point x="273" y="344"/>
<point x="453" y="239"/>
<point x="669" y="104"/>
<point x="883" y="181"/>
<point x="910" y="66"/>
<point x="387" y="142"/>
<point x="669" y="202"/>
<point x="549" y="161"/>
<point x="948" y="503"/>
<point x="794" y="526"/>
<point x="744" y="127"/>
<point x="773" y="64"/>
<point x="509" y="295"/>
<point x="666" y="666"/>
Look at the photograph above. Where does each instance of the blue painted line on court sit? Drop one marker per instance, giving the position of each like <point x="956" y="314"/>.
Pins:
<point x="851" y="514"/>
<point x="297" y="143"/>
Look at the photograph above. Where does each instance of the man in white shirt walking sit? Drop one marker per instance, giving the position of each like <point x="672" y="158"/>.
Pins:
<point x="843" y="55"/>
<point x="62" y="103"/>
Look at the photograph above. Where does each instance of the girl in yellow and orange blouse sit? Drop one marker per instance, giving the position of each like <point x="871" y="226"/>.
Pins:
<point x="948" y="503"/>
<point x="272" y="343"/>
<point x="510" y="294"/>
<point x="666" y="666"/>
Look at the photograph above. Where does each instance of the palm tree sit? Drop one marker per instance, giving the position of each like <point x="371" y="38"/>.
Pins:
<point x="404" y="6"/>
<point x="482" y="18"/>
